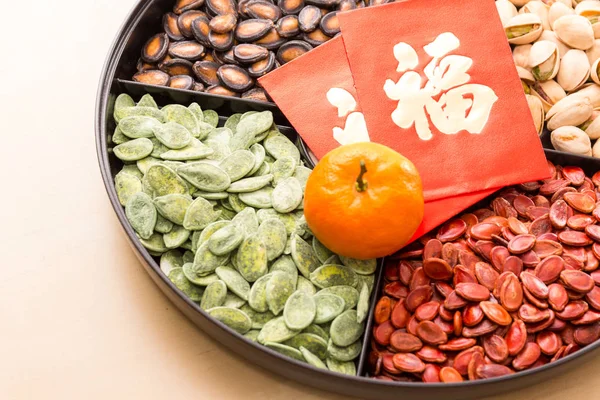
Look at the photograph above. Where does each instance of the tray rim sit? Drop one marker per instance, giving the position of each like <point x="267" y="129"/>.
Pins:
<point x="102" y="103"/>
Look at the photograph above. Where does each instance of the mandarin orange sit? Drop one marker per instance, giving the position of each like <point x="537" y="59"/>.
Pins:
<point x="364" y="200"/>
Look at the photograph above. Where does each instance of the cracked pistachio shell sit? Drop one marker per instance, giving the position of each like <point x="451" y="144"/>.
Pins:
<point x="214" y="295"/>
<point x="521" y="55"/>
<point x="315" y="343"/>
<point x="538" y="8"/>
<point x="590" y="10"/>
<point x="537" y="112"/>
<point x="345" y="329"/>
<point x="276" y="331"/>
<point x="557" y="10"/>
<point x="594" y="73"/>
<point x="544" y="60"/>
<point x="234" y="281"/>
<point x="252" y="258"/>
<point x="200" y="214"/>
<point x="141" y="214"/>
<point x="591" y="92"/>
<point x="574" y="70"/>
<point x="279" y="288"/>
<point x="134" y="150"/>
<point x="346" y="368"/>
<point x="575" y="31"/>
<point x="549" y="92"/>
<point x="506" y="10"/>
<point x="570" y="111"/>
<point x="523" y="29"/>
<point x="571" y="139"/>
<point x="234" y="318"/>
<point x="182" y="283"/>
<point x="272" y="234"/>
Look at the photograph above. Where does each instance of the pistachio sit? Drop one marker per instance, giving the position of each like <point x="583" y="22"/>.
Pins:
<point x="591" y="11"/>
<point x="569" y="111"/>
<point x="596" y="149"/>
<point x="537" y="112"/>
<point x="523" y="29"/>
<point x="575" y="31"/>
<point x="538" y="8"/>
<point x="574" y="70"/>
<point x="551" y="37"/>
<point x="544" y="60"/>
<point x="521" y="55"/>
<point x="571" y="140"/>
<point x="592" y="126"/>
<point x="593" y="53"/>
<point x="591" y="92"/>
<point x="506" y="10"/>
<point x="557" y="10"/>
<point x="549" y="92"/>
<point x="594" y="71"/>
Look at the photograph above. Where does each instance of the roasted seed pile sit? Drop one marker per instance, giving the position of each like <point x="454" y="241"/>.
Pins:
<point x="556" y="48"/>
<point x="508" y="287"/>
<point x="222" y="46"/>
<point x="222" y="208"/>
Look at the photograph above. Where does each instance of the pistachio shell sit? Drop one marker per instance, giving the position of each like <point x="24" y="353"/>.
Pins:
<point x="593" y="53"/>
<point x="557" y="10"/>
<point x="575" y="31"/>
<point x="596" y="149"/>
<point x="571" y="140"/>
<point x="594" y="71"/>
<point x="537" y="112"/>
<point x="570" y="111"/>
<point x="544" y="60"/>
<point x="591" y="11"/>
<point x="506" y="10"/>
<point x="549" y="92"/>
<point x="551" y="37"/>
<point x="591" y="92"/>
<point x="523" y="29"/>
<point x="592" y="126"/>
<point x="538" y="8"/>
<point x="521" y="55"/>
<point x="574" y="70"/>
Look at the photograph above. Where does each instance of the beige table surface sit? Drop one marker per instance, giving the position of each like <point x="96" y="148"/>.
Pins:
<point x="79" y="317"/>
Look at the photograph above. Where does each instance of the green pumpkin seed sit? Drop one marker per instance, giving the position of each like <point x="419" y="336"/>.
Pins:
<point x="272" y="233"/>
<point x="211" y="117"/>
<point x="260" y="198"/>
<point x="214" y="295"/>
<point x="260" y="137"/>
<point x="236" y="204"/>
<point x="133" y="150"/>
<point x="238" y="164"/>
<point x="188" y="257"/>
<point x="205" y="262"/>
<point x="141" y="214"/>
<point x="259" y="157"/>
<point x="252" y="258"/>
<point x="210" y="230"/>
<point x="259" y="319"/>
<point x="234" y="281"/>
<point x="145" y="163"/>
<point x="123" y="101"/>
<point x="170" y="260"/>
<point x="222" y="135"/>
<point x="311" y="358"/>
<point x="279" y="288"/>
<point x="132" y="169"/>
<point x="233" y="301"/>
<point x="247" y="114"/>
<point x="345" y="329"/>
<point x="144" y="111"/>
<point x="147" y="101"/>
<point x="197" y="111"/>
<point x="322" y="252"/>
<point x="276" y="331"/>
<point x="157" y="147"/>
<point x="316" y="330"/>
<point x="334" y="259"/>
<point x="287" y="195"/>
<point x="346" y="368"/>
<point x="252" y="335"/>
<point x="314" y="343"/>
<point x="264" y="169"/>
<point x="163" y="180"/>
<point x="204" y="176"/>
<point x="279" y="146"/>
<point x="232" y="122"/>
<point x="195" y="150"/>
<point x="248" y="219"/>
<point x="283" y="168"/>
<point x="181" y="115"/>
<point x="329" y="306"/>
<point x="302" y="173"/>
<point x="249" y="127"/>
<point x="226" y="215"/>
<point x="299" y="311"/>
<point x="368" y="280"/>
<point x="138" y="126"/>
<point x="211" y="195"/>
<point x="226" y="239"/>
<point x="199" y="214"/>
<point x="304" y="256"/>
<point x="362" y="267"/>
<point x="285" y="350"/>
<point x="348" y="293"/>
<point x="288" y="219"/>
<point x="362" y="307"/>
<point x="234" y="318"/>
<point x="333" y="275"/>
<point x="182" y="283"/>
<point x="173" y="207"/>
<point x="172" y="135"/>
<point x="306" y="286"/>
<point x="257" y="298"/>
<point x="285" y="264"/>
<point x="176" y="237"/>
<point x="249" y="184"/>
<point x="346" y="353"/>
<point x="188" y="270"/>
<point x="187" y="245"/>
<point x="126" y="186"/>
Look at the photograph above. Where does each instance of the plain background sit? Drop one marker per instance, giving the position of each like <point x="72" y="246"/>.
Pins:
<point x="79" y="317"/>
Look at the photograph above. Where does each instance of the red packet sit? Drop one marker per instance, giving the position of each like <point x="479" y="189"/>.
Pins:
<point x="440" y="87"/>
<point x="303" y="89"/>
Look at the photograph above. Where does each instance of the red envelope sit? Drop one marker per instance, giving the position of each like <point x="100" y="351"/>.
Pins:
<point x="465" y="123"/>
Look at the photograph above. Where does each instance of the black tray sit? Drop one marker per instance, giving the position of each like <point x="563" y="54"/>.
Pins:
<point x="145" y="20"/>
